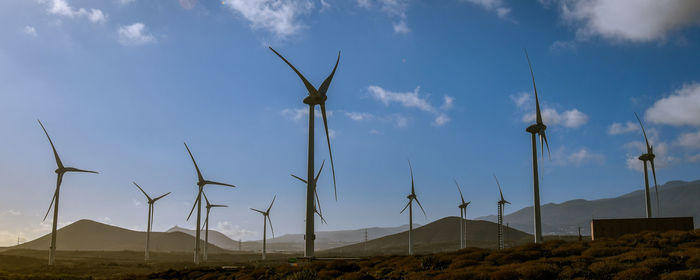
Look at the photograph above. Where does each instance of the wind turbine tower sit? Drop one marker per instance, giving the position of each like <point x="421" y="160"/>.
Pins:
<point x="60" y="171"/>
<point x="149" y="225"/>
<point x="266" y="217"/>
<point x="411" y="197"/>
<point x="649" y="156"/>
<point x="462" y="219"/>
<point x="206" y="225"/>
<point x="501" y="204"/>
<point x="315" y="97"/>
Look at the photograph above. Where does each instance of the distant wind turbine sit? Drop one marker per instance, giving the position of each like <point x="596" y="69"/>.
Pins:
<point x="538" y="128"/>
<point x="412" y="196"/>
<point x="315" y="97"/>
<point x="201" y="182"/>
<point x="266" y="217"/>
<point x="462" y="219"/>
<point x="649" y="156"/>
<point x="501" y="205"/>
<point x="317" y="206"/>
<point x="206" y="225"/>
<point x="149" y="225"/>
<point x="60" y="171"/>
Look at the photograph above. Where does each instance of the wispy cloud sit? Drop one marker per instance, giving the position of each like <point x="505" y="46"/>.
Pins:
<point x="395" y="9"/>
<point x="619" y="128"/>
<point x="495" y="6"/>
<point x="299" y="113"/>
<point x="564" y="156"/>
<point x="280" y="17"/>
<point x="628" y="20"/>
<point x="13" y="212"/>
<point x="571" y="118"/>
<point x="689" y="140"/>
<point x="135" y="35"/>
<point x="235" y="232"/>
<point x="359" y="116"/>
<point x="62" y="8"/>
<point x="413" y="99"/>
<point x="29" y="30"/>
<point x="682" y="107"/>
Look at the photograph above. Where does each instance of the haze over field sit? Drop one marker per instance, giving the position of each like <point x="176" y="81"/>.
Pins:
<point x="120" y="85"/>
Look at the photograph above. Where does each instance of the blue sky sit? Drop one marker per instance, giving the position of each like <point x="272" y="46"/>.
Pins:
<point x="121" y="84"/>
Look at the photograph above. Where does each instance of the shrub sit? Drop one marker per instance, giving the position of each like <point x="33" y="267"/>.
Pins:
<point x="682" y="275"/>
<point x="658" y="265"/>
<point x="343" y="266"/>
<point x="605" y="269"/>
<point x="538" y="271"/>
<point x="693" y="262"/>
<point x="597" y="252"/>
<point x="506" y="274"/>
<point x="636" y="273"/>
<point x="432" y="262"/>
<point x="305" y="274"/>
<point x="356" y="276"/>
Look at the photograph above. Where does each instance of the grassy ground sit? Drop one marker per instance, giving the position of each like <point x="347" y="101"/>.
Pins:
<point x="670" y="255"/>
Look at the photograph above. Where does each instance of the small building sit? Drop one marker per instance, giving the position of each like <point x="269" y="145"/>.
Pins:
<point x="613" y="228"/>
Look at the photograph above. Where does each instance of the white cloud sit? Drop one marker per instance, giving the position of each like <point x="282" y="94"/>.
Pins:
<point x="682" y="107"/>
<point x="281" y="17"/>
<point x="374" y="131"/>
<point x="235" y="232"/>
<point x="618" y="128"/>
<point x="412" y="99"/>
<point x="29" y="30"/>
<point x="395" y="9"/>
<point x="496" y="6"/>
<point x="13" y="212"/>
<point x="629" y="20"/>
<point x="441" y="120"/>
<point x="583" y="155"/>
<point x="689" y="140"/>
<point x="562" y="45"/>
<point x="572" y="118"/>
<point x="135" y="202"/>
<point x="401" y="27"/>
<point x="564" y="156"/>
<point x="126" y="2"/>
<point x="662" y="159"/>
<point x="359" y="116"/>
<point x="299" y="113"/>
<point x="694" y="158"/>
<point x="324" y="6"/>
<point x="135" y="35"/>
<point x="448" y="103"/>
<point x="62" y="8"/>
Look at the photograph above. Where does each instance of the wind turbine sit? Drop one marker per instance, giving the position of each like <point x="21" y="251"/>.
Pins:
<point x="60" y="171"/>
<point x="201" y="182"/>
<point x="315" y="97"/>
<point x="206" y="224"/>
<point x="462" y="219"/>
<point x="535" y="129"/>
<point x="317" y="201"/>
<point x="412" y="196"/>
<point x="649" y="156"/>
<point x="501" y="205"/>
<point x="149" y="225"/>
<point x="266" y="217"/>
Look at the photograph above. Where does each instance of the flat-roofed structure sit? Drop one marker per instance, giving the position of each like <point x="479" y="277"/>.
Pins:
<point x="613" y="228"/>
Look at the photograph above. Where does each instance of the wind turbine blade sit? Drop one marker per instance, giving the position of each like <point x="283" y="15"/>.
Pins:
<point x="319" y="171"/>
<point x="59" y="179"/>
<point x="271" y="203"/>
<point x="544" y="137"/>
<point x="499" y="187"/>
<point x="217" y="183"/>
<point x="217" y="205"/>
<point x="206" y="199"/>
<point x="421" y="208"/>
<point x="318" y="203"/>
<point x="51" y="204"/>
<point x="144" y="193"/>
<point x="199" y="173"/>
<point x="537" y="100"/>
<point x="71" y="169"/>
<point x="320" y="216"/>
<point x="460" y="190"/>
<point x="55" y="154"/>
<point x="300" y="179"/>
<point x="271" y="228"/>
<point x="328" y="140"/>
<point x="153" y="209"/>
<point x="195" y="204"/>
<point x="312" y="90"/>
<point x="326" y="83"/>
<point x="162" y="196"/>
<point x="404" y="208"/>
<point x="656" y="187"/>
<point x="643" y="131"/>
<point x="259" y="211"/>
<point x="413" y="189"/>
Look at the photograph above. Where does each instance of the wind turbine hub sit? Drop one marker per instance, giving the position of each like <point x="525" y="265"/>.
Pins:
<point x="536" y="128"/>
<point x="646" y="157"/>
<point x="411" y="196"/>
<point x="315" y="99"/>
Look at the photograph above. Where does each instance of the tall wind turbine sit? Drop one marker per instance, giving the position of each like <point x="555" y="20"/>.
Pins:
<point x="649" y="156"/>
<point x="206" y="224"/>
<point x="462" y="219"/>
<point x="266" y="217"/>
<point x="535" y="129"/>
<point x="317" y="205"/>
<point x="60" y="171"/>
<point x="149" y="225"/>
<point x="315" y="97"/>
<point x="411" y="197"/>
<point x="501" y="204"/>
<point x="201" y="182"/>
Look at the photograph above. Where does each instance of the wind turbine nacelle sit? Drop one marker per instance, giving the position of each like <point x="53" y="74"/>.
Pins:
<point x="315" y="99"/>
<point x="536" y="128"/>
<point x="411" y="196"/>
<point x="646" y="157"/>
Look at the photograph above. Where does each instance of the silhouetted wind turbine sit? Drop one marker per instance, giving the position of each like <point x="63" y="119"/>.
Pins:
<point x="60" y="171"/>
<point x="206" y="224"/>
<point x="537" y="128"/>
<point x="412" y="196"/>
<point x="317" y="206"/>
<point x="315" y="97"/>
<point x="501" y="205"/>
<point x="462" y="219"/>
<point x="649" y="156"/>
<point x="266" y="217"/>
<point x="201" y="182"/>
<point x="149" y="225"/>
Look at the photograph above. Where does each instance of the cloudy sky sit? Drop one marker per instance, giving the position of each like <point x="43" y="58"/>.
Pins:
<point x="121" y="84"/>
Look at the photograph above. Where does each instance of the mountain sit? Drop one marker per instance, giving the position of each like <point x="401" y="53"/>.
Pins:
<point x="87" y="235"/>
<point x="438" y="236"/>
<point x="677" y="198"/>
<point x="295" y="242"/>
